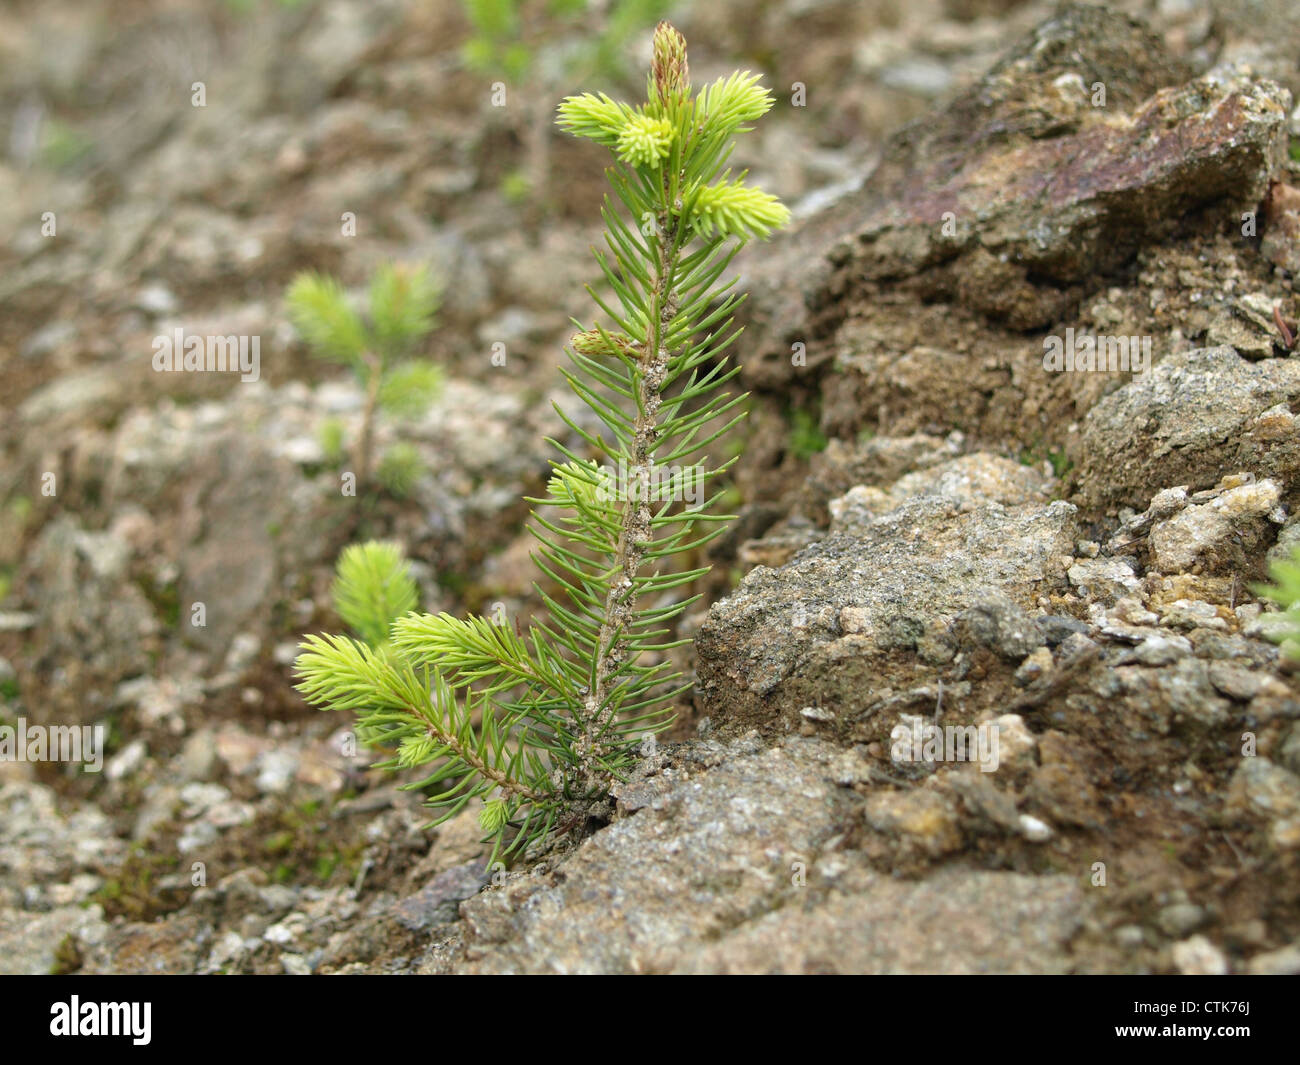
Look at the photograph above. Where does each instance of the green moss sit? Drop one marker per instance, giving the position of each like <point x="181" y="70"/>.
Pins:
<point x="164" y="598"/>
<point x="1060" y="464"/>
<point x="1035" y="452"/>
<point x="305" y="852"/>
<point x="806" y="437"/>
<point x="133" y="893"/>
<point x="326" y="864"/>
<point x="67" y="956"/>
<point x="278" y="843"/>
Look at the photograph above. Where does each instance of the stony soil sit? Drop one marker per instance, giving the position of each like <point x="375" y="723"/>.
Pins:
<point x="933" y="528"/>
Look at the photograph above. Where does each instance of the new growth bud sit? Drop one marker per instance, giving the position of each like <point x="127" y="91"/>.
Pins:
<point x="645" y="141"/>
<point x="593" y="342"/>
<point x="670" y="75"/>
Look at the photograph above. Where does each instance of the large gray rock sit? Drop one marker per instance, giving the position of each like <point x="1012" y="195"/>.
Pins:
<point x="878" y="592"/>
<point x="733" y="862"/>
<point x="97" y="625"/>
<point x="1196" y="417"/>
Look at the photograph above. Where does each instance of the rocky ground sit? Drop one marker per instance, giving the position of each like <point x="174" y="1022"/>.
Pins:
<point x="933" y="528"/>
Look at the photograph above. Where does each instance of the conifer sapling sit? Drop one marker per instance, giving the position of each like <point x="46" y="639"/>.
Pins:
<point x="379" y="347"/>
<point x="1284" y="628"/>
<point x="539" y="722"/>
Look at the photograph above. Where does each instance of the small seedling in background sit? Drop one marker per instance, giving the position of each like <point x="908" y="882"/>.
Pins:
<point x="330" y="438"/>
<point x="1285" y="592"/>
<point x="372" y="588"/>
<point x="504" y="49"/>
<point x="500" y="45"/>
<point x="379" y="347"/>
<point x="539" y="722"/>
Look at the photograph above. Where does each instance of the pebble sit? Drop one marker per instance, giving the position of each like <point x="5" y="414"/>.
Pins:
<point x="126" y="761"/>
<point x="1284" y="961"/>
<point x="1197" y="956"/>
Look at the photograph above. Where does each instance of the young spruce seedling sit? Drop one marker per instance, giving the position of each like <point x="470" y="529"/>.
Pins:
<point x="378" y="347"/>
<point x="540" y="723"/>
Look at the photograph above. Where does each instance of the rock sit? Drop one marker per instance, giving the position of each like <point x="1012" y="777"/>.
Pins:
<point x="156" y="300"/>
<point x="171" y="946"/>
<point x="438" y="901"/>
<point x="69" y="400"/>
<point x="96" y="627"/>
<point x="884" y="581"/>
<point x="924" y="819"/>
<point x="1192" y="614"/>
<point x="1235" y="680"/>
<point x="196" y="836"/>
<point x="1058" y="628"/>
<point x="1034" y="830"/>
<point x="1180" y="919"/>
<point x="1197" y="956"/>
<point x="1179" y="695"/>
<point x="1103" y="579"/>
<point x="1036" y="669"/>
<point x="1261" y="789"/>
<point x="1285" y="961"/>
<point x="1288" y="539"/>
<point x="1221" y="535"/>
<point x="1129" y="936"/>
<point x="199" y="798"/>
<point x="1011" y="249"/>
<point x="854" y="934"/>
<point x="1017" y="746"/>
<point x="1162" y="650"/>
<point x="286" y="930"/>
<point x="198" y="756"/>
<point x="659" y="891"/>
<point x="1000" y="625"/>
<point x="46" y="341"/>
<point x="1196" y="417"/>
<point x="1289" y="755"/>
<point x="40" y="843"/>
<point x="32" y="944"/>
<point x="880" y="460"/>
<point x="126" y="761"/>
<point x="1060" y="786"/>
<point x="275" y="771"/>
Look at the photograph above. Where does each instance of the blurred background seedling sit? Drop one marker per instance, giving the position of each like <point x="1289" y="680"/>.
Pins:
<point x="380" y="344"/>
